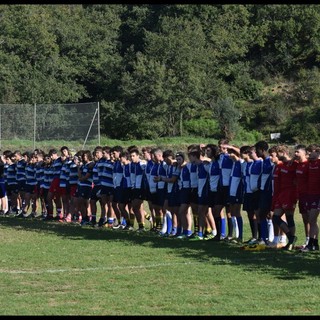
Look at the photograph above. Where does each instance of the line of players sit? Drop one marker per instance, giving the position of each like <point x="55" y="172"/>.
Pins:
<point x="194" y="197"/>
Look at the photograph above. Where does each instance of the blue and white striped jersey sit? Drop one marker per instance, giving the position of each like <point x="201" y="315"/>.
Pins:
<point x="225" y="163"/>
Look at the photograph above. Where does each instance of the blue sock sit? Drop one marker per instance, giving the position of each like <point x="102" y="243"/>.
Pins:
<point x="223" y="227"/>
<point x="189" y="232"/>
<point x="200" y="233"/>
<point x="179" y="230"/>
<point x="240" y="227"/>
<point x="169" y="223"/>
<point x="174" y="230"/>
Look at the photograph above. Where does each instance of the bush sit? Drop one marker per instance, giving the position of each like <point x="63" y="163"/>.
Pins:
<point x="201" y="127"/>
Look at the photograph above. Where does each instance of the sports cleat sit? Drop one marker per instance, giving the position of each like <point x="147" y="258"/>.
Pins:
<point x="33" y="214"/>
<point x="116" y="227"/>
<point x="195" y="237"/>
<point x="309" y="248"/>
<point x="84" y="223"/>
<point x="216" y="238"/>
<point x="102" y="222"/>
<point x="128" y="228"/>
<point x="251" y="241"/>
<point x="182" y="237"/>
<point x="290" y="245"/>
<point x="208" y="236"/>
<point x="48" y="217"/>
<point x="141" y="230"/>
<point x="236" y="241"/>
<point x="19" y="213"/>
<point x="227" y="239"/>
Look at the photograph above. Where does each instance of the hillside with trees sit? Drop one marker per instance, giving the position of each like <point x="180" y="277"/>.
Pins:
<point x="170" y="70"/>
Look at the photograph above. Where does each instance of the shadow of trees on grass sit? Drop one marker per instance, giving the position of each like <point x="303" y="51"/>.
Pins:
<point x="279" y="264"/>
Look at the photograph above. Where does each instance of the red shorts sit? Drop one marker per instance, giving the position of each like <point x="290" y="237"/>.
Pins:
<point x="73" y="190"/>
<point x="303" y="203"/>
<point x="63" y="191"/>
<point x="313" y="201"/>
<point x="54" y="187"/>
<point x="286" y="200"/>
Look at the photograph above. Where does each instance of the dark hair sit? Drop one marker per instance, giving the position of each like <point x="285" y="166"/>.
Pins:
<point x="245" y="149"/>
<point x="124" y="154"/>
<point x="300" y="146"/>
<point x="180" y="154"/>
<point x="168" y="153"/>
<point x="117" y="149"/>
<point x="53" y="151"/>
<point x="262" y="145"/>
<point x="195" y="153"/>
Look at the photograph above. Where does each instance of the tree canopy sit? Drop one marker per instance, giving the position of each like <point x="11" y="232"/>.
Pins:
<point x="169" y="70"/>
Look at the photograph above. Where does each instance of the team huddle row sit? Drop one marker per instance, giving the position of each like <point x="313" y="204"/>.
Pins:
<point x="198" y="191"/>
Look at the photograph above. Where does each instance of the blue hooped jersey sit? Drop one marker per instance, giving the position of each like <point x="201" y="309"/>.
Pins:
<point x="214" y="175"/>
<point x="20" y="170"/>
<point x="85" y="169"/>
<point x="225" y="163"/>
<point x="30" y="172"/>
<point x="255" y="171"/>
<point x="236" y="180"/>
<point x="202" y="177"/>
<point x="267" y="173"/>
<point x="136" y="173"/>
<point x="117" y="173"/>
<point x="126" y="177"/>
<point x="106" y="173"/>
<point x="184" y="181"/>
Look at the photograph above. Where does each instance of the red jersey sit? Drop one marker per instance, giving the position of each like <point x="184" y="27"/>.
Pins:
<point x="275" y="178"/>
<point x="314" y="177"/>
<point x="302" y="177"/>
<point x="287" y="175"/>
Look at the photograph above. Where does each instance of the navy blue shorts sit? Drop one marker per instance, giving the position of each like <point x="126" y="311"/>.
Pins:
<point x="21" y="185"/>
<point x="84" y="192"/>
<point x="28" y="188"/>
<point x="251" y="201"/>
<point x="203" y="199"/>
<point x="265" y="200"/>
<point x="137" y="194"/>
<point x="94" y="193"/>
<point x="108" y="191"/>
<point x="158" y="197"/>
<point x="222" y="197"/>
<point x="173" y="198"/>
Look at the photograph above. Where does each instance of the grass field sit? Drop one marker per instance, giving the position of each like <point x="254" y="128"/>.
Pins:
<point x="51" y="268"/>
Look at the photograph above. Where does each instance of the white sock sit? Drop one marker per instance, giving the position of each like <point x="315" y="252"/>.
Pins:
<point x="275" y="239"/>
<point x="214" y="232"/>
<point x="164" y="224"/>
<point x="270" y="230"/>
<point x="169" y="221"/>
<point x="307" y="240"/>
<point x="235" y="226"/>
<point x="283" y="238"/>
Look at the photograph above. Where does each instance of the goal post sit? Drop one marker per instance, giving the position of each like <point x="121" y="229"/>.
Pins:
<point x="50" y="122"/>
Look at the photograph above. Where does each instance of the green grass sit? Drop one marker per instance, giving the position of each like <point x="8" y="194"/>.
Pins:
<point x="50" y="268"/>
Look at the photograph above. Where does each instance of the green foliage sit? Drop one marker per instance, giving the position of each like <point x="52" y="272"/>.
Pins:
<point x="156" y="69"/>
<point x="248" y="137"/>
<point x="202" y="127"/>
<point x="228" y="115"/>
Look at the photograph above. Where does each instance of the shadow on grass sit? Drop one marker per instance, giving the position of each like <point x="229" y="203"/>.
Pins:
<point x="281" y="264"/>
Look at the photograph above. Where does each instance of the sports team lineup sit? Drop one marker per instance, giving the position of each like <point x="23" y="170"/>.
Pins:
<point x="198" y="194"/>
